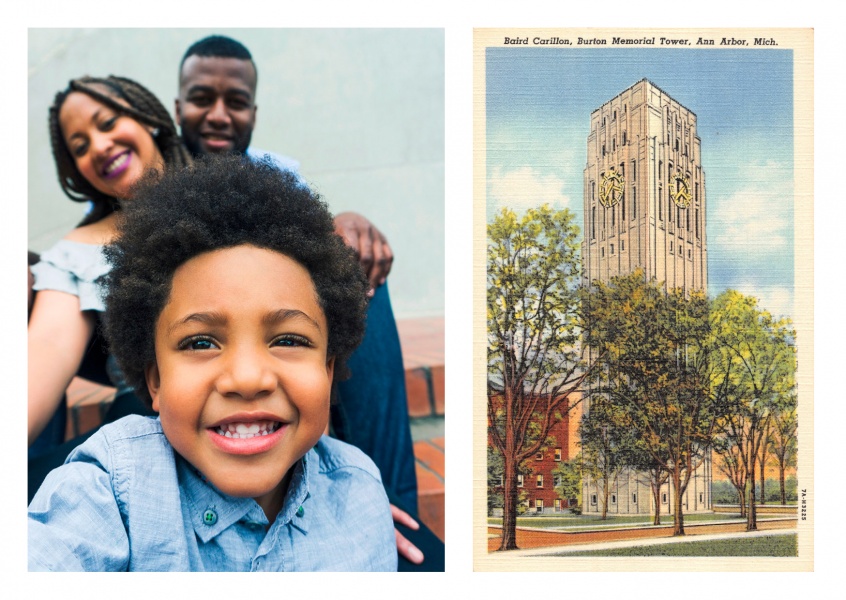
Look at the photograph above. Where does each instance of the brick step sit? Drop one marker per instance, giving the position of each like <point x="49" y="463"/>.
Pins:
<point x="422" y="342"/>
<point x="430" y="466"/>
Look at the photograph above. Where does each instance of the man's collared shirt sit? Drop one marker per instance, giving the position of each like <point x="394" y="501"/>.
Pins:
<point x="124" y="500"/>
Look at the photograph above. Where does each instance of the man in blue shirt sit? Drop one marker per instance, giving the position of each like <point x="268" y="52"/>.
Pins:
<point x="216" y="112"/>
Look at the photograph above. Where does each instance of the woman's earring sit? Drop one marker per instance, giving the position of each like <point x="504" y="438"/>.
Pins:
<point x="155" y="132"/>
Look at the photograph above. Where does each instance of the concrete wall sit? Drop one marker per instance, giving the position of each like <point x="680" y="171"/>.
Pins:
<point x="361" y="109"/>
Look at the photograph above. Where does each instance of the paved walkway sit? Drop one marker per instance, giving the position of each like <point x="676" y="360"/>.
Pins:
<point x="547" y="539"/>
<point x="564" y="550"/>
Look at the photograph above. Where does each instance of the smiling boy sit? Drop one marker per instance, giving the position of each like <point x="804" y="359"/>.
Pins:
<point x="234" y="331"/>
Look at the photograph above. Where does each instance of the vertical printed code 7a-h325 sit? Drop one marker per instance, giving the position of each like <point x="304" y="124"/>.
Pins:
<point x="644" y="253"/>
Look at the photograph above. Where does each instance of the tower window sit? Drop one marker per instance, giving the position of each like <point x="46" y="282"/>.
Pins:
<point x="593" y="223"/>
<point x="612" y="249"/>
<point x="622" y="245"/>
<point x="671" y="247"/>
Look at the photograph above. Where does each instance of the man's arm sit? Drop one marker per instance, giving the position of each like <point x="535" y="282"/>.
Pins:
<point x="371" y="247"/>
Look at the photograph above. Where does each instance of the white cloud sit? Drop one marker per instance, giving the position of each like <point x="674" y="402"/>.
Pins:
<point x="525" y="187"/>
<point x="754" y="219"/>
<point x="777" y="300"/>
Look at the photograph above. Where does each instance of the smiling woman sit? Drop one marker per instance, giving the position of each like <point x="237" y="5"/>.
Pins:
<point x="105" y="134"/>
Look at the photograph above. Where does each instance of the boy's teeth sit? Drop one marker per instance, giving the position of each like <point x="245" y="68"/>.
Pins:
<point x="247" y="430"/>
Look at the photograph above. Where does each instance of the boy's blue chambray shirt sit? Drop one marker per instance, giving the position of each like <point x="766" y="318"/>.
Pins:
<point x="124" y="500"/>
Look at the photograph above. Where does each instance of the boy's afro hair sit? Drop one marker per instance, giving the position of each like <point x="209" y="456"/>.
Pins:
<point x="221" y="202"/>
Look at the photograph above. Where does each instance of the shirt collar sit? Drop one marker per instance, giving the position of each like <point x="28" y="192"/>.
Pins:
<point x="211" y="512"/>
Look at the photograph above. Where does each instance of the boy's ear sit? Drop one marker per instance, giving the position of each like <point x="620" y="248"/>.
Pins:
<point x="151" y="375"/>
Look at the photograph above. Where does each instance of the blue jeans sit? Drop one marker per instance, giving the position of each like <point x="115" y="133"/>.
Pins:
<point x="371" y="411"/>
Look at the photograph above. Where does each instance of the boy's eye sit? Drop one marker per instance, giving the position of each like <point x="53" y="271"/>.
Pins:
<point x="289" y="340"/>
<point x="197" y="343"/>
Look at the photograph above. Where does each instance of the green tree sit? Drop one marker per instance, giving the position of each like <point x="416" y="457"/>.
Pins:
<point x="783" y="442"/>
<point x="656" y="371"/>
<point x="535" y="366"/>
<point x="607" y="445"/>
<point x="568" y="477"/>
<point x="757" y="366"/>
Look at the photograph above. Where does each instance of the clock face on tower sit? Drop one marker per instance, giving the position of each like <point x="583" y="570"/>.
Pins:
<point x="680" y="189"/>
<point x="611" y="188"/>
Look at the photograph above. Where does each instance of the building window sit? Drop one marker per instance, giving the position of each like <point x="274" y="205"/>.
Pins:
<point x="612" y="249"/>
<point x="593" y="499"/>
<point x="539" y="456"/>
<point x="671" y="246"/>
<point x="540" y="481"/>
<point x="623" y="210"/>
<point x="539" y="505"/>
<point x="519" y="481"/>
<point x="613" y="144"/>
<point x="701" y="497"/>
<point x="613" y="216"/>
<point x="697" y="223"/>
<point x="602" y="253"/>
<point x="603" y="149"/>
<point x="634" y="203"/>
<point x="660" y="205"/>
<point x="556" y="480"/>
<point x="689" y="253"/>
<point x="634" y="171"/>
<point x="558" y="454"/>
<point x="664" y="498"/>
<point x="557" y="505"/>
<point x="614" y="116"/>
<point x="603" y="121"/>
<point x="613" y="498"/>
<point x="624" y="138"/>
<point x="687" y="218"/>
<point x="593" y="223"/>
<point x="622" y="245"/>
<point x="634" y="498"/>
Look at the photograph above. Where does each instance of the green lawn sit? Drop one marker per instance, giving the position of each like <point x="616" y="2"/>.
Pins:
<point x="567" y="521"/>
<point x="772" y="545"/>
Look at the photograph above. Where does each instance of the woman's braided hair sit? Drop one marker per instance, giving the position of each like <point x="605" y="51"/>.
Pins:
<point x="144" y="107"/>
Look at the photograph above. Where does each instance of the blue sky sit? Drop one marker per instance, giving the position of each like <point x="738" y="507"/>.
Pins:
<point x="538" y="115"/>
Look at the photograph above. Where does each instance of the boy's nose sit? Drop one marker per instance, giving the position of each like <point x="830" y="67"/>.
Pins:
<point x="246" y="375"/>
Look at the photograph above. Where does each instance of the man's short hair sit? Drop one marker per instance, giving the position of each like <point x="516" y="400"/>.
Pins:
<point x="218" y="46"/>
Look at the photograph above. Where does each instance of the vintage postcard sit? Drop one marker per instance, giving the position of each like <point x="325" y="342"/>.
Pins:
<point x="644" y="264"/>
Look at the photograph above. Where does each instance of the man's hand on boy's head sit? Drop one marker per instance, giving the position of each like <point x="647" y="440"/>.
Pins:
<point x="404" y="547"/>
<point x="371" y="247"/>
